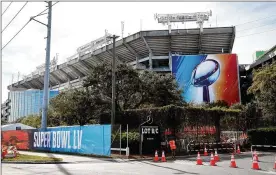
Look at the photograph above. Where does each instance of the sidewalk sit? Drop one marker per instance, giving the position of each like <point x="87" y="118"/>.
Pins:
<point x="68" y="158"/>
<point x="82" y="158"/>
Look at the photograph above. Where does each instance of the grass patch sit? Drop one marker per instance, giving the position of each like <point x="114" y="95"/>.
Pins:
<point x="31" y="158"/>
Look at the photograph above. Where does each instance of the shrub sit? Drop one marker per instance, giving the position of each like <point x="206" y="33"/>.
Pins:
<point x="262" y="136"/>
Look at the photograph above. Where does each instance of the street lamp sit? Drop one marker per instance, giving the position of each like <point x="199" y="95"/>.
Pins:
<point x="113" y="81"/>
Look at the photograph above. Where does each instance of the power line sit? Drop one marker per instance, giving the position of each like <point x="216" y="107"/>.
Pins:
<point x="15" y="16"/>
<point x="257" y="33"/>
<point x="25" y="26"/>
<point x="6" y="8"/>
<point x="41" y="13"/>
<point x="16" y="34"/>
<point x="257" y="26"/>
<point x="255" y="20"/>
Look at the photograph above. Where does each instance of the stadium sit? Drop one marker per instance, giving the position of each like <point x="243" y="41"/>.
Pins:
<point x="150" y="50"/>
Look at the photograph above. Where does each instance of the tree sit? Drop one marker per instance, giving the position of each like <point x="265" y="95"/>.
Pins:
<point x="31" y="120"/>
<point x="264" y="90"/>
<point x="160" y="89"/>
<point x="76" y="107"/>
<point x="133" y="89"/>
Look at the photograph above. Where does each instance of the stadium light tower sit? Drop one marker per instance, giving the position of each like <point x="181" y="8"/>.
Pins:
<point x="198" y="17"/>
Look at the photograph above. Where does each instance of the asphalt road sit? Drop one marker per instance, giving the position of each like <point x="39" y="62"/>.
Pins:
<point x="77" y="165"/>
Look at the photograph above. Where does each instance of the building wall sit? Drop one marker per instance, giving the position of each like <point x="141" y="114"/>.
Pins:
<point x="24" y="103"/>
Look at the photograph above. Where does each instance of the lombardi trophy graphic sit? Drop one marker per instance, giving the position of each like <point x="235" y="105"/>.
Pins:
<point x="204" y="75"/>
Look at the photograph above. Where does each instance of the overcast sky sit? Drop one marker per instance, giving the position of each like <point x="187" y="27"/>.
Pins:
<point x="76" y="23"/>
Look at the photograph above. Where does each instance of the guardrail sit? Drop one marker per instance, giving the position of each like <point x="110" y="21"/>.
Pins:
<point x="262" y="146"/>
<point x="121" y="149"/>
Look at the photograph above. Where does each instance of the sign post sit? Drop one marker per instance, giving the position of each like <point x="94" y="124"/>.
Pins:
<point x="150" y="138"/>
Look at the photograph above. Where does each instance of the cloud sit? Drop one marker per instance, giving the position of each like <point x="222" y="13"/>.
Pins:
<point x="77" y="23"/>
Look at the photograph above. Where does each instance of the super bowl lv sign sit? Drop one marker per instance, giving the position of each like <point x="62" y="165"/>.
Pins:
<point x="58" y="139"/>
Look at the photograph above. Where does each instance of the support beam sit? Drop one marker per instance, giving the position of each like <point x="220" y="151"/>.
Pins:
<point x="24" y="86"/>
<point x="96" y="59"/>
<point x="200" y="42"/>
<point x="56" y="78"/>
<point x="118" y="59"/>
<point x="69" y="77"/>
<point x="36" y="84"/>
<point x="80" y="74"/>
<point x="131" y="50"/>
<point x="85" y="64"/>
<point x="27" y="85"/>
<point x="39" y="82"/>
<point x="232" y="40"/>
<point x="31" y="85"/>
<point x="145" y="41"/>
<point x="150" y="52"/>
<point x="91" y="65"/>
<point x="170" y="61"/>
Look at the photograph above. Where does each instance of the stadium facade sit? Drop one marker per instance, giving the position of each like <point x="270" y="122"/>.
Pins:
<point x="24" y="103"/>
<point x="149" y="50"/>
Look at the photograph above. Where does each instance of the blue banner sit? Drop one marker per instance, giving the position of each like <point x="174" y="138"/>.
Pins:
<point x="90" y="139"/>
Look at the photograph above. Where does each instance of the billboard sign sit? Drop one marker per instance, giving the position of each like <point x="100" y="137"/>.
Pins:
<point x="182" y="17"/>
<point x="90" y="139"/>
<point x="207" y="78"/>
<point x="21" y="139"/>
<point x="93" y="139"/>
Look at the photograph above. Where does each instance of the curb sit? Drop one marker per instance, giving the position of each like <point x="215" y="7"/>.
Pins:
<point x="168" y="158"/>
<point x="29" y="162"/>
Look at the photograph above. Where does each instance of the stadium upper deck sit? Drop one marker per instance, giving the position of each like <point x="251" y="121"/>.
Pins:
<point x="151" y="49"/>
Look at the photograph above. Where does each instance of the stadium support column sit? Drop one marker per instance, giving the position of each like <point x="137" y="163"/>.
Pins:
<point x="46" y="75"/>
<point x="150" y="60"/>
<point x="170" y="60"/>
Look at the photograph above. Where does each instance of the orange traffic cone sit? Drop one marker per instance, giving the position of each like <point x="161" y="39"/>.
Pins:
<point x="238" y="151"/>
<point x="255" y="154"/>
<point x="274" y="164"/>
<point x="198" y="160"/>
<point x="212" y="161"/>
<point x="216" y="156"/>
<point x="233" y="162"/>
<point x="205" y="152"/>
<point x="163" y="159"/>
<point x="255" y="164"/>
<point x="156" y="157"/>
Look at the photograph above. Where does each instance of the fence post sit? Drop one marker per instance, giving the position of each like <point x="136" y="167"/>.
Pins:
<point x="120" y="138"/>
<point x="127" y="148"/>
<point x="127" y="135"/>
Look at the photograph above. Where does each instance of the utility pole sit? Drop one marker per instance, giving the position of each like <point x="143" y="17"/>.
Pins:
<point x="113" y="112"/>
<point x="47" y="70"/>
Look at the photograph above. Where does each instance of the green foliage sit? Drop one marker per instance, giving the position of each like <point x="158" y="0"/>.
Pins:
<point x="76" y="107"/>
<point x="134" y="89"/>
<point x="133" y="136"/>
<point x="262" y="136"/>
<point x="264" y="90"/>
<point x="237" y="106"/>
<point x="32" y="120"/>
<point x="172" y="116"/>
<point x="32" y="158"/>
